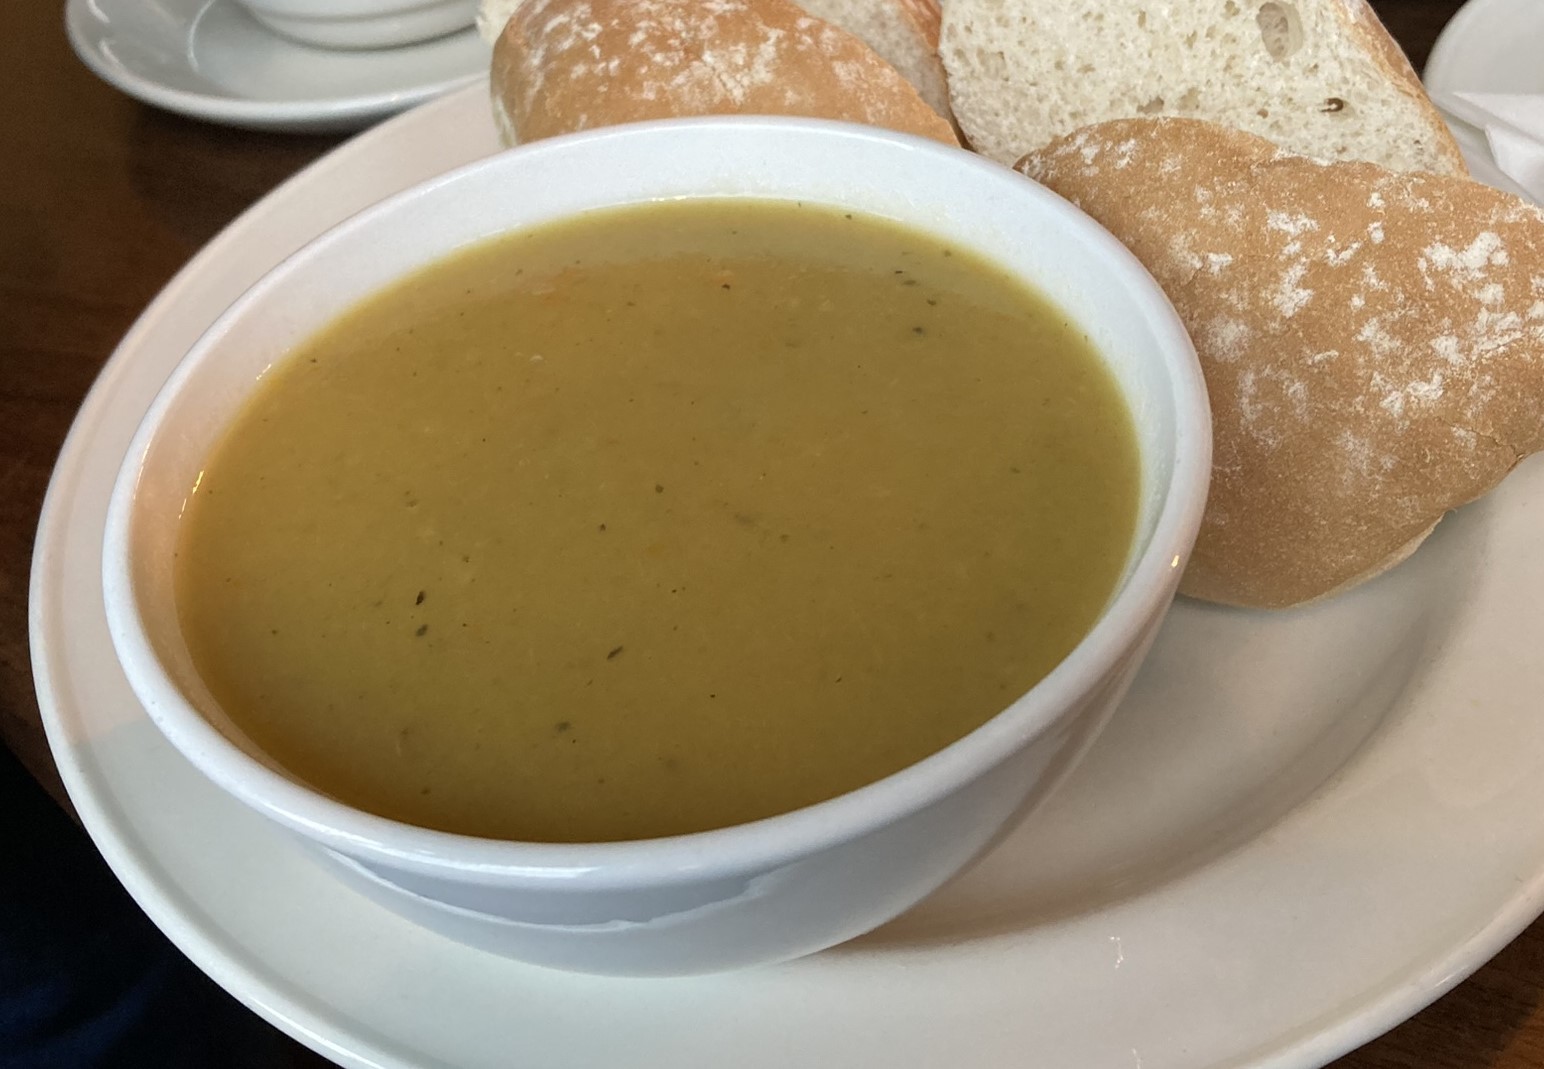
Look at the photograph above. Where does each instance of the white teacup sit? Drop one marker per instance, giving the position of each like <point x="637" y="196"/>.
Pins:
<point x="359" y="24"/>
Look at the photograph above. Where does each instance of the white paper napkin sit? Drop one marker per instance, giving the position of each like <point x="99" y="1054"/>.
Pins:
<point x="1513" y="124"/>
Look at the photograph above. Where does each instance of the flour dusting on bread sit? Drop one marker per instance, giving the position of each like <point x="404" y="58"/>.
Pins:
<point x="1373" y="342"/>
<point x="566" y="65"/>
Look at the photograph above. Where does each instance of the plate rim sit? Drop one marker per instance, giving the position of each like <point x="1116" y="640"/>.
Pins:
<point x="313" y="114"/>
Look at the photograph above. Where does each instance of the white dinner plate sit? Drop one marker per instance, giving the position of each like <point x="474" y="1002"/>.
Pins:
<point x="1300" y="828"/>
<point x="211" y="60"/>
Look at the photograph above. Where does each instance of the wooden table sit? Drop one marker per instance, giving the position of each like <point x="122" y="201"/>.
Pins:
<point x="103" y="199"/>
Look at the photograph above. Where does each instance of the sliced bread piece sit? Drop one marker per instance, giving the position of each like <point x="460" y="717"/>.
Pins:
<point x="904" y="32"/>
<point x="566" y="65"/>
<point x="1317" y="77"/>
<point x="1373" y="342"/>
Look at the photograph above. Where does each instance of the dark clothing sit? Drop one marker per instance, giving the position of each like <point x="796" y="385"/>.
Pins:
<point x="86" y="981"/>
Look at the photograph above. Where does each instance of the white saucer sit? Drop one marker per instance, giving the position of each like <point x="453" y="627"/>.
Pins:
<point x="211" y="60"/>
<point x="1299" y="829"/>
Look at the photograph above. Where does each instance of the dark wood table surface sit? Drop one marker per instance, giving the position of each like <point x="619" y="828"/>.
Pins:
<point x="103" y="198"/>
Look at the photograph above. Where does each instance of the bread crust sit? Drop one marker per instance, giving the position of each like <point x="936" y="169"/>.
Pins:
<point x="903" y="32"/>
<point x="567" y="65"/>
<point x="1363" y="22"/>
<point x="1373" y="342"/>
<point x="928" y="18"/>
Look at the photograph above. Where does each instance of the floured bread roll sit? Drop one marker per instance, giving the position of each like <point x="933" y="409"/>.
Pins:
<point x="1373" y="342"/>
<point x="903" y="32"/>
<point x="566" y="65"/>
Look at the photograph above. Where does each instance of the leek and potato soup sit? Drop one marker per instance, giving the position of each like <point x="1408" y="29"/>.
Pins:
<point x="656" y="520"/>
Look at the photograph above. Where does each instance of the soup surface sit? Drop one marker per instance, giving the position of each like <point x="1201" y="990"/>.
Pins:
<point x="657" y="520"/>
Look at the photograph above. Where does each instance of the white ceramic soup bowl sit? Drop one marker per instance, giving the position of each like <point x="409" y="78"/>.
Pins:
<point x="759" y="892"/>
<point x="356" y="24"/>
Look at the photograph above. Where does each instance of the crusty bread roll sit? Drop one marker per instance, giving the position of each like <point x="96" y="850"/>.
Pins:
<point x="1373" y="342"/>
<point x="566" y="65"/>
<point x="903" y="32"/>
<point x="1317" y="77"/>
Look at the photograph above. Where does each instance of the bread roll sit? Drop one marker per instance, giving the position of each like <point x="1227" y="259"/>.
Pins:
<point x="903" y="32"/>
<point x="1373" y="342"/>
<point x="566" y="65"/>
<point x="1317" y="77"/>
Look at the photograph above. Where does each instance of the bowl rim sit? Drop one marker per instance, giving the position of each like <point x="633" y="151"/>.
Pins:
<point x="738" y="849"/>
